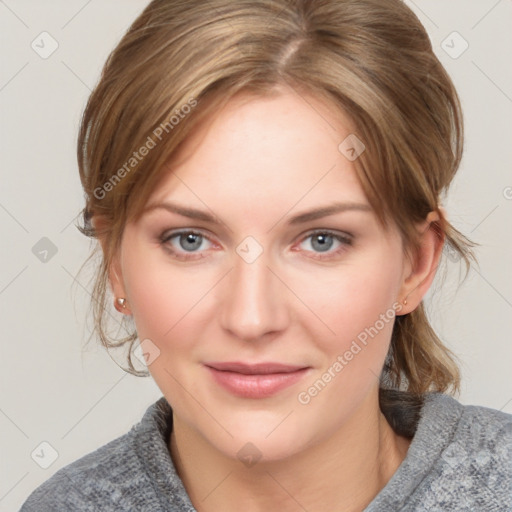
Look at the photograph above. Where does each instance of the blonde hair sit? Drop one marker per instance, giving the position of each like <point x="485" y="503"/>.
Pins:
<point x="370" y="59"/>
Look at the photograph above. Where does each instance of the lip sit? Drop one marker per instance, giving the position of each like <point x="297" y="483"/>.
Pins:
<point x="260" y="380"/>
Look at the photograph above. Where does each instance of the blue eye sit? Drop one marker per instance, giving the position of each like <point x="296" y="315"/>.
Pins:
<point x="323" y="241"/>
<point x="187" y="242"/>
<point x="190" y="241"/>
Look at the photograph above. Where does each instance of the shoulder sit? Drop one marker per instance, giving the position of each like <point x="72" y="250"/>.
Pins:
<point x="97" y="478"/>
<point x="459" y="459"/>
<point x="113" y="477"/>
<point x="482" y="443"/>
<point x="472" y="470"/>
<point x="478" y="430"/>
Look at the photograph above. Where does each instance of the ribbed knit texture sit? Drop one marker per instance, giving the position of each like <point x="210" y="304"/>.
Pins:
<point x="460" y="459"/>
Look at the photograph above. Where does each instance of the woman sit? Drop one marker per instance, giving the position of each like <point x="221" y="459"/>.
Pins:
<point x="264" y="180"/>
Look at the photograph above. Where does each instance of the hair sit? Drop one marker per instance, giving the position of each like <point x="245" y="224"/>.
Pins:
<point x="182" y="60"/>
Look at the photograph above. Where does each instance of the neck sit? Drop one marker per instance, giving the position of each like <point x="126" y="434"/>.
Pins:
<point x="343" y="473"/>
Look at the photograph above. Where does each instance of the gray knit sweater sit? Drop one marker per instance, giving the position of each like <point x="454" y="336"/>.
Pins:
<point x="460" y="459"/>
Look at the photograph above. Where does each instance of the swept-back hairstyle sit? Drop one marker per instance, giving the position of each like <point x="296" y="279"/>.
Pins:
<point x="369" y="59"/>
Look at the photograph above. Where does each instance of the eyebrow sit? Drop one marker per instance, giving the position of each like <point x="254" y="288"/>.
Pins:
<point x="316" y="213"/>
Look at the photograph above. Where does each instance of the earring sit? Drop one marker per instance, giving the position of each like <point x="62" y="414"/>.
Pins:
<point x="405" y="302"/>
<point x="122" y="302"/>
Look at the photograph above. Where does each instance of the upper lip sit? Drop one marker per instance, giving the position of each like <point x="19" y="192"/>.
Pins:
<point x="254" y="369"/>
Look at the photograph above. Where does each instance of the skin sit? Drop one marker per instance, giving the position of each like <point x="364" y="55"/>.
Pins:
<point x="257" y="163"/>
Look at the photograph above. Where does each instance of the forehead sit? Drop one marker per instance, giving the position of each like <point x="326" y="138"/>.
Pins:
<point x="262" y="152"/>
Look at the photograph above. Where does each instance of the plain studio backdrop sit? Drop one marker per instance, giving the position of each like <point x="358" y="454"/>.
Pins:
<point x="60" y="401"/>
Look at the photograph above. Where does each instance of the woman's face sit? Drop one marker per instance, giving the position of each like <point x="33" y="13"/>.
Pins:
<point x="266" y="305"/>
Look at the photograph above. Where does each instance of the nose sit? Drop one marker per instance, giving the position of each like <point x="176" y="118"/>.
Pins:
<point x="254" y="301"/>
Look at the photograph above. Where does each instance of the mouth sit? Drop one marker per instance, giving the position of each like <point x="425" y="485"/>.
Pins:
<point x="259" y="380"/>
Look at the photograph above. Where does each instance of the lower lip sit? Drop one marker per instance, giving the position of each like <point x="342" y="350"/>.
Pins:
<point x="256" y="386"/>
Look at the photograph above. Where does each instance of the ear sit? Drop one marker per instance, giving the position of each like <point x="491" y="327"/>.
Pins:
<point x="423" y="263"/>
<point x="115" y="276"/>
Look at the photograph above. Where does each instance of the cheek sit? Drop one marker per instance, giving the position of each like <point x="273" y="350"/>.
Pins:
<point x="166" y="305"/>
<point x="355" y="306"/>
<point x="167" y="301"/>
<point x="360" y="308"/>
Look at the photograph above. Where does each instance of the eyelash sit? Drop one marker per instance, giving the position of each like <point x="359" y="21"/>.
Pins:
<point x="164" y="239"/>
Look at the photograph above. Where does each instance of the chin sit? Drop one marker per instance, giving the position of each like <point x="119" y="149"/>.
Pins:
<point x="263" y="436"/>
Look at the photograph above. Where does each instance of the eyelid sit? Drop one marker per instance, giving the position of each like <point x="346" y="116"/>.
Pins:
<point x="171" y="233"/>
<point x="333" y="232"/>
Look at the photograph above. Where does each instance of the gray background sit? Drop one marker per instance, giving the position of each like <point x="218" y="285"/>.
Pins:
<point x="76" y="399"/>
